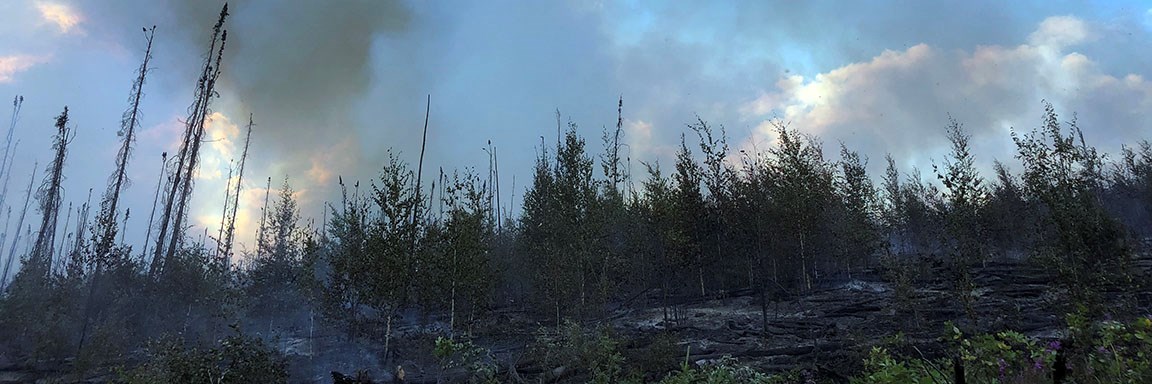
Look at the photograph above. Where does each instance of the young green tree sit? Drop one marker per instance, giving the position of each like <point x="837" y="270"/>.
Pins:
<point x="859" y="221"/>
<point x="688" y="220"/>
<point x="468" y="234"/>
<point x="273" y="277"/>
<point x="965" y="195"/>
<point x="1064" y="175"/>
<point x="803" y="192"/>
<point x="561" y="231"/>
<point x="719" y="178"/>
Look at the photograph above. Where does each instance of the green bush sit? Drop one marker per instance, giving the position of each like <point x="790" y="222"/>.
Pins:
<point x="728" y="371"/>
<point x="1102" y="352"/>
<point x="477" y="360"/>
<point x="595" y="351"/>
<point x="235" y="359"/>
<point x="881" y="368"/>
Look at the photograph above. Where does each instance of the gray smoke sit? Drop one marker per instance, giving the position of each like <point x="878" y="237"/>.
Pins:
<point x="302" y="68"/>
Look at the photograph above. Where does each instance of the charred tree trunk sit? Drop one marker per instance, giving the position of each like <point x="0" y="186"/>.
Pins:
<point x="180" y="187"/>
<point x="106" y="223"/>
<point x="49" y="198"/>
<point x="6" y="162"/>
<point x="19" y="225"/>
<point x="152" y="216"/>
<point x="76" y="256"/>
<point x="263" y="220"/>
<point x="230" y="232"/>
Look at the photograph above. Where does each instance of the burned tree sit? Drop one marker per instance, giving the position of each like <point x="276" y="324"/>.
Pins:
<point x="5" y="162"/>
<point x="19" y="225"/>
<point x="49" y="197"/>
<point x="152" y="216"/>
<point x="106" y="229"/>
<point x="179" y="189"/>
<point x="231" y="206"/>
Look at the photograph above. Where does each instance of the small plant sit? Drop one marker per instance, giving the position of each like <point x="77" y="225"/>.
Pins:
<point x="1103" y="352"/>
<point x="881" y="368"/>
<point x="477" y="360"/>
<point x="728" y="370"/>
<point x="1006" y="356"/>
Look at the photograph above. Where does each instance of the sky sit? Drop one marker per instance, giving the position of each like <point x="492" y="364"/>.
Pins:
<point x="334" y="86"/>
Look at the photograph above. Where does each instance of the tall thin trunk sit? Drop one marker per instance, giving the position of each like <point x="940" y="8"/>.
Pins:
<point x="420" y="164"/>
<point x="499" y="214"/>
<point x="49" y="197"/>
<point x="81" y="231"/>
<point x="4" y="236"/>
<point x="194" y="153"/>
<point x="9" y="156"/>
<point x="4" y="193"/>
<point x="19" y="225"/>
<point x="127" y="214"/>
<point x="224" y="212"/>
<point x="152" y="216"/>
<point x="180" y="185"/>
<point x="60" y="253"/>
<point x="230" y="233"/>
<point x="109" y="206"/>
<point x="416" y="209"/>
<point x="263" y="220"/>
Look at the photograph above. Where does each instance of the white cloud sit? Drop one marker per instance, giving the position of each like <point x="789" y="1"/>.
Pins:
<point x="11" y="65"/>
<point x="64" y="17"/>
<point x="1060" y="32"/>
<point x="899" y="101"/>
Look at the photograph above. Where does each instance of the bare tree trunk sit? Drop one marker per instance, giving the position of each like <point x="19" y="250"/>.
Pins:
<point x="416" y="209"/>
<point x="180" y="184"/>
<point x="7" y="160"/>
<point x="60" y="254"/>
<point x="81" y="228"/>
<point x="197" y="131"/>
<point x="19" y="225"/>
<point x="49" y="197"/>
<point x="152" y="216"/>
<point x="109" y="206"/>
<point x="224" y="212"/>
<point x="230" y="234"/>
<point x="263" y="220"/>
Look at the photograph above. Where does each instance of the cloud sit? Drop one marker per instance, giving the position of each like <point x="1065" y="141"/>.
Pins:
<point x="11" y="65"/>
<point x="899" y="101"/>
<point x="66" y="18"/>
<point x="1060" y="32"/>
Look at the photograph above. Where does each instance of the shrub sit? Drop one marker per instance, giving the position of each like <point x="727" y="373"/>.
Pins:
<point x="236" y="359"/>
<point x="477" y="360"/>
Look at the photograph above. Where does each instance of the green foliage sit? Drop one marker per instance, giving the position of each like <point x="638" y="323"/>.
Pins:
<point x="1077" y="236"/>
<point x="1005" y="356"/>
<point x="593" y="351"/>
<point x="728" y="371"/>
<point x="477" y="360"/>
<point x="1111" y="351"/>
<point x="964" y="236"/>
<point x="1099" y="352"/>
<point x="273" y="275"/>
<point x="364" y="268"/>
<point x="881" y="368"/>
<point x="803" y="193"/>
<point x="563" y="234"/>
<point x="860" y="205"/>
<point x="234" y="359"/>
